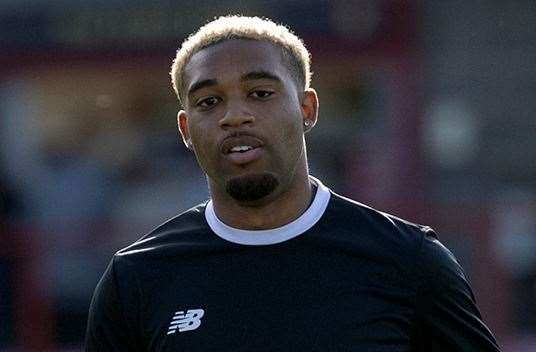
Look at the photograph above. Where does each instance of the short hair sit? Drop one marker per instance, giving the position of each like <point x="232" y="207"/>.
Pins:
<point x="241" y="27"/>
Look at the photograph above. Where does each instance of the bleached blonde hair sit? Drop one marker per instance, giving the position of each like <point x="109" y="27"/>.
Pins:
<point x="241" y="27"/>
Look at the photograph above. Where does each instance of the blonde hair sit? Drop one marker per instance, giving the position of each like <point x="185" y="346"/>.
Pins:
<point x="241" y="27"/>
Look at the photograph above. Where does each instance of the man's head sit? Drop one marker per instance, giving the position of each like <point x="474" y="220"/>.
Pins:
<point x="240" y="27"/>
<point x="246" y="108"/>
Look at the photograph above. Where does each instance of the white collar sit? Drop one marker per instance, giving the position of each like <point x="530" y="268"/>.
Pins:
<point x="279" y="234"/>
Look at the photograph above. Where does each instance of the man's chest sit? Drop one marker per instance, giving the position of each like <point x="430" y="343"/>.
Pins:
<point x="239" y="306"/>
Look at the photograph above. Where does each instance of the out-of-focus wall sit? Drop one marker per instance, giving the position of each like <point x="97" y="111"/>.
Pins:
<point x="425" y="112"/>
<point x="480" y="150"/>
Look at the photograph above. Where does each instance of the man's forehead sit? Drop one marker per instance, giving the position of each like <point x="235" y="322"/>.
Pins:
<point x="233" y="57"/>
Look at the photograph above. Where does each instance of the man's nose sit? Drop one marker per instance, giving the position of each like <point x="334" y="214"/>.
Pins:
<point x="236" y="116"/>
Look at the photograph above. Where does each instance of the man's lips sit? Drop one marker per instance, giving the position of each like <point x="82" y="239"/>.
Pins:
<point x="242" y="158"/>
<point x="240" y="143"/>
<point x="242" y="148"/>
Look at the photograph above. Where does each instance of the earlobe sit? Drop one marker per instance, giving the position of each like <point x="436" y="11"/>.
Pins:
<point x="306" y="125"/>
<point x="182" y="122"/>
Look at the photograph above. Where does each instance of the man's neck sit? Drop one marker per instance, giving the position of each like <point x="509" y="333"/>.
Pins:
<point x="286" y="206"/>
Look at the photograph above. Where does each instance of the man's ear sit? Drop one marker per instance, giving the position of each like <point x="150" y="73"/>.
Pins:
<point x="182" y="121"/>
<point x="309" y="108"/>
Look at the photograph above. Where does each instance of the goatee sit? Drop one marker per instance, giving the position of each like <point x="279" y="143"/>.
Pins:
<point x="251" y="188"/>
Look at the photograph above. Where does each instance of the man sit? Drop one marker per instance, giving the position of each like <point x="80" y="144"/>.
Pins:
<point x="274" y="261"/>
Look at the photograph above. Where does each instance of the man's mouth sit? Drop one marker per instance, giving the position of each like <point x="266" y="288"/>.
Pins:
<point x="240" y="143"/>
<point x="242" y="149"/>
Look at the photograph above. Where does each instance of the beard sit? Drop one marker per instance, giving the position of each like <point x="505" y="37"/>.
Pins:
<point x="251" y="188"/>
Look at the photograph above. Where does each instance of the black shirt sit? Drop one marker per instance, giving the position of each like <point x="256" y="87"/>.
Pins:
<point x="342" y="277"/>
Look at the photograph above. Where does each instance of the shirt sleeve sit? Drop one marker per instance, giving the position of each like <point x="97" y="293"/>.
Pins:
<point x="447" y="318"/>
<point x="107" y="328"/>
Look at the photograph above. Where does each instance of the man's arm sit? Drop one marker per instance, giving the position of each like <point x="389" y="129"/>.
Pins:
<point x="107" y="328"/>
<point x="447" y="318"/>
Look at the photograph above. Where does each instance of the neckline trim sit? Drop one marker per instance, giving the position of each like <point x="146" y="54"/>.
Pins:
<point x="277" y="235"/>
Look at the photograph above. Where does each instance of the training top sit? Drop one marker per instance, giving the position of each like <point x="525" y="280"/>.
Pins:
<point x="341" y="277"/>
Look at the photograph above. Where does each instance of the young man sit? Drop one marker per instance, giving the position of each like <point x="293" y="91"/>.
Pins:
<point x="274" y="261"/>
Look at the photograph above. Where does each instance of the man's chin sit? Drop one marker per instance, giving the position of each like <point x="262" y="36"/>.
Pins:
<point x="252" y="188"/>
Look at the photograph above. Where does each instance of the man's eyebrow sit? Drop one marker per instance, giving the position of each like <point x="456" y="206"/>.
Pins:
<point x="245" y="77"/>
<point x="260" y="75"/>
<point x="202" y="84"/>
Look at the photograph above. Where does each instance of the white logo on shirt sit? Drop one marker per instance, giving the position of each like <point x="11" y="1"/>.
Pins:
<point x="186" y="322"/>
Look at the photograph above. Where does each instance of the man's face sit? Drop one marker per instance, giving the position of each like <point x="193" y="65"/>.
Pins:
<point x="244" y="118"/>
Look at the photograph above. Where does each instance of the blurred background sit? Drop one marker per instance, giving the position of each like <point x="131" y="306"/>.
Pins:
<point x="426" y="111"/>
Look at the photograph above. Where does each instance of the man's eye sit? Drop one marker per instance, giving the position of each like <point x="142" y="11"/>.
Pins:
<point x="261" y="94"/>
<point x="208" y="102"/>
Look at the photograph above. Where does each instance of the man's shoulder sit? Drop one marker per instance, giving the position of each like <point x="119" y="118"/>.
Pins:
<point x="347" y="215"/>
<point x="183" y="230"/>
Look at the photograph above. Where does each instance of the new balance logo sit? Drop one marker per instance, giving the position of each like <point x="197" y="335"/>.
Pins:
<point x="186" y="322"/>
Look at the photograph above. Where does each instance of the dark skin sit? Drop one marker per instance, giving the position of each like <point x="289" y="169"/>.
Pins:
<point x="245" y="89"/>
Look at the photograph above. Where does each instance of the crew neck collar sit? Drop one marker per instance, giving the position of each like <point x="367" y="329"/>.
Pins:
<point x="277" y="235"/>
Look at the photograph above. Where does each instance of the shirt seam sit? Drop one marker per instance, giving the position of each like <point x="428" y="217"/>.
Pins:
<point x="121" y="304"/>
<point x="418" y="285"/>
